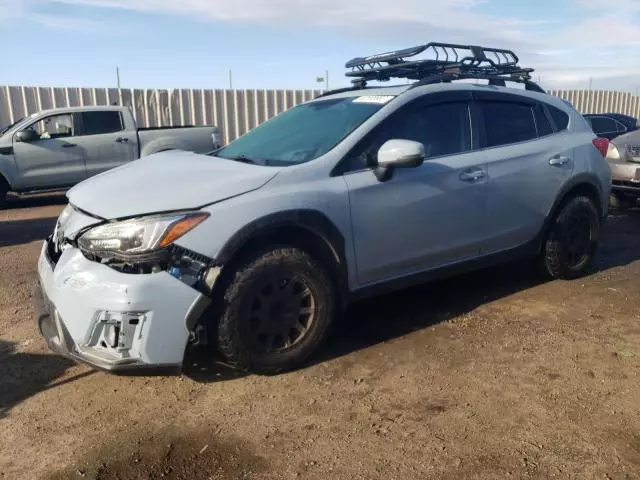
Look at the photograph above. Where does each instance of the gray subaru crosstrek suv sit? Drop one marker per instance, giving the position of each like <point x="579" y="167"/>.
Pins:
<point x="256" y="248"/>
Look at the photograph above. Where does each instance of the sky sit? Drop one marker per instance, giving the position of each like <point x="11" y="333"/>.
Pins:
<point x="289" y="43"/>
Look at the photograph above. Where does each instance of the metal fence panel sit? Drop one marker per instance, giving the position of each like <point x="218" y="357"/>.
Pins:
<point x="233" y="111"/>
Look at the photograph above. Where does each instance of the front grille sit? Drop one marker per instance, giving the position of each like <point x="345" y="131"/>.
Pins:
<point x="634" y="150"/>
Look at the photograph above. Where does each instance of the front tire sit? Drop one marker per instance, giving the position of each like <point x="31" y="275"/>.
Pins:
<point x="572" y="239"/>
<point x="277" y="310"/>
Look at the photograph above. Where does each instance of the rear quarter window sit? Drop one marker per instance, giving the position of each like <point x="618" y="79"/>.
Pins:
<point x="542" y="121"/>
<point x="560" y="118"/>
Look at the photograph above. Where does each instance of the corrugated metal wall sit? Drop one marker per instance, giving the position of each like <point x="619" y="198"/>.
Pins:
<point x="234" y="111"/>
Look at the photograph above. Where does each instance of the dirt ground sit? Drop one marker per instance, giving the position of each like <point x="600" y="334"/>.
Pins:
<point x="492" y="375"/>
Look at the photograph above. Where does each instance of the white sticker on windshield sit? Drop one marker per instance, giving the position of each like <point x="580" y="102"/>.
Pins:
<point x="380" y="99"/>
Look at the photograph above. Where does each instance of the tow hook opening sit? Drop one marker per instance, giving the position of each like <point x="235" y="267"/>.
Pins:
<point x="116" y="331"/>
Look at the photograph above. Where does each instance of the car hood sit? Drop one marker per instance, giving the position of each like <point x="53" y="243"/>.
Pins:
<point x="167" y="181"/>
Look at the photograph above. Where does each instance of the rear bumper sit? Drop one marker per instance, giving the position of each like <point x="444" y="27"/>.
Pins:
<point x="78" y="304"/>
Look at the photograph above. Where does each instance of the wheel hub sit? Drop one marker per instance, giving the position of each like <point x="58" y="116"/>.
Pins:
<point x="280" y="315"/>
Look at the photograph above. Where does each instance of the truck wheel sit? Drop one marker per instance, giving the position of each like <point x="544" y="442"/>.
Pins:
<point x="572" y="239"/>
<point x="277" y="310"/>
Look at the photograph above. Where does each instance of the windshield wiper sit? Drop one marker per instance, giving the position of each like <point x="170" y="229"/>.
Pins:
<point x="245" y="159"/>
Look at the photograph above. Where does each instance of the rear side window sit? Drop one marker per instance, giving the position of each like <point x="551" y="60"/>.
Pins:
<point x="96" y="123"/>
<point x="507" y="122"/>
<point x="560" y="118"/>
<point x="542" y="122"/>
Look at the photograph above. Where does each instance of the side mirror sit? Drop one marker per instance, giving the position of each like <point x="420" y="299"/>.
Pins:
<point x="398" y="154"/>
<point x="27" y="136"/>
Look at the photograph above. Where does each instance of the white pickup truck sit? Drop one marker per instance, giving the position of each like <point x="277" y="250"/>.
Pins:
<point x="55" y="149"/>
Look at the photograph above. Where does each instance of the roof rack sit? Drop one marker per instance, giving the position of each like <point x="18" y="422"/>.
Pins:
<point x="474" y="62"/>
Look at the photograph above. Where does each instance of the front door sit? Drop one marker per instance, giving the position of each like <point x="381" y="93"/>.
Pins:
<point x="422" y="217"/>
<point x="54" y="159"/>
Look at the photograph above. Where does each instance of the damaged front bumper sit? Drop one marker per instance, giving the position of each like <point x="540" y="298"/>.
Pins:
<point x="111" y="320"/>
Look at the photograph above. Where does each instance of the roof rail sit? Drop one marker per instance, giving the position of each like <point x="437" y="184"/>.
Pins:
<point x="341" y="90"/>
<point x="451" y="62"/>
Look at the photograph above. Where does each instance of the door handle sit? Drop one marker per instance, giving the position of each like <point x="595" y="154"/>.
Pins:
<point x="559" y="161"/>
<point x="122" y="139"/>
<point x="472" y="175"/>
<point x="69" y="145"/>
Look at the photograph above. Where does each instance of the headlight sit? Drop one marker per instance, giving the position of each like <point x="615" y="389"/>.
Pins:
<point x="138" y="236"/>
<point x="612" y="152"/>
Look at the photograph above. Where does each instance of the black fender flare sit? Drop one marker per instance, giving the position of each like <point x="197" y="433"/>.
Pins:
<point x="579" y="180"/>
<point x="313" y="222"/>
<point x="576" y="183"/>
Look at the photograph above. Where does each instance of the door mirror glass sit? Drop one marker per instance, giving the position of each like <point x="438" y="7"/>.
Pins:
<point x="27" y="136"/>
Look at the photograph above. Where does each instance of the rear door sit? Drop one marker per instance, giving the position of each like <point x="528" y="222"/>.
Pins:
<point x="422" y="217"/>
<point x="55" y="158"/>
<point x="105" y="140"/>
<point x="528" y="162"/>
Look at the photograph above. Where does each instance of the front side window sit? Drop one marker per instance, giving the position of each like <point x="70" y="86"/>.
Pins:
<point x="96" y="123"/>
<point x="443" y="129"/>
<point x="55" y="126"/>
<point x="302" y="133"/>
<point x="507" y="122"/>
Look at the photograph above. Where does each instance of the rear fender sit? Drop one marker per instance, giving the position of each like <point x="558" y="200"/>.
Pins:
<point x="161" y="144"/>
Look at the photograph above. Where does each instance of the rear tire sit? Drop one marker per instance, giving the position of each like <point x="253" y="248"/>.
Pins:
<point x="277" y="310"/>
<point x="572" y="239"/>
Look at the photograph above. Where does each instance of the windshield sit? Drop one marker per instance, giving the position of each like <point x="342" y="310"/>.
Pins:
<point x="7" y="128"/>
<point x="302" y="133"/>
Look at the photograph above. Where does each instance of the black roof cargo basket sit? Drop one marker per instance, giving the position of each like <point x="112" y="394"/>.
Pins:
<point x="448" y="62"/>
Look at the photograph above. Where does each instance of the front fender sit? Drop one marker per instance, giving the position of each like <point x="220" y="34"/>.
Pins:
<point x="312" y="220"/>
